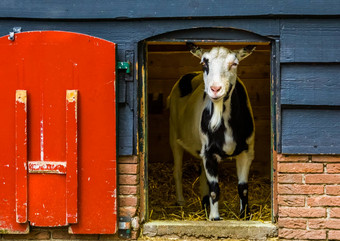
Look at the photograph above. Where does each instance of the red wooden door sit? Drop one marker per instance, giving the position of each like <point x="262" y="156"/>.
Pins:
<point x="57" y="132"/>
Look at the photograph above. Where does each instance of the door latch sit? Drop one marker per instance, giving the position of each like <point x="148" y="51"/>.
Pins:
<point x="125" y="66"/>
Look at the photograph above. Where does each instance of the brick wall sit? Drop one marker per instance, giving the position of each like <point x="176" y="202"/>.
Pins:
<point x="128" y="189"/>
<point x="308" y="197"/>
<point x="128" y="202"/>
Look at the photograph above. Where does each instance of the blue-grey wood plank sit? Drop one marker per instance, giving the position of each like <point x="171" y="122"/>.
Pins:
<point x="310" y="84"/>
<point x="134" y="31"/>
<point x="125" y="130"/>
<point x="310" y="40"/>
<point x="108" y="9"/>
<point x="218" y="33"/>
<point x="308" y="131"/>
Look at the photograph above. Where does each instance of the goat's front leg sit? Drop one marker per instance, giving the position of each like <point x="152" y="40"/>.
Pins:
<point x="177" y="151"/>
<point x="211" y="171"/>
<point x="204" y="188"/>
<point x="243" y="162"/>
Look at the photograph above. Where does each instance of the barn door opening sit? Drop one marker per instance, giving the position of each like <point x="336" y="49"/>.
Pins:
<point x="166" y="60"/>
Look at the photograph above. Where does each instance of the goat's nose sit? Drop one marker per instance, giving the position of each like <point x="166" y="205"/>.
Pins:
<point x="215" y="89"/>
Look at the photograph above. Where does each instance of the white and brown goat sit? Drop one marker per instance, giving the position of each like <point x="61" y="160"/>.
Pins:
<point x="211" y="118"/>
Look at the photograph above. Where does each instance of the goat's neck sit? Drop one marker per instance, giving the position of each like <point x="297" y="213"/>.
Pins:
<point x="219" y="109"/>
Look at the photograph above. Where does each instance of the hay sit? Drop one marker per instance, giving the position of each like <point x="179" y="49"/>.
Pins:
<point x="162" y="195"/>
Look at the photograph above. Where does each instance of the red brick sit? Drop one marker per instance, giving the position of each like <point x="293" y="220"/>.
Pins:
<point x="125" y="179"/>
<point x="128" y="201"/>
<point x="32" y="235"/>
<point x="335" y="212"/>
<point x="290" y="178"/>
<point x="334" y="234"/>
<point x="300" y="167"/>
<point x="63" y="234"/>
<point x="333" y="168"/>
<point x="292" y="223"/>
<point x="128" y="190"/>
<point x="302" y="234"/>
<point x="323" y="178"/>
<point x="109" y="237"/>
<point x="291" y="201"/>
<point x="128" y="168"/>
<point x="302" y="212"/>
<point x="324" y="223"/>
<point x="128" y="159"/>
<point x="326" y="158"/>
<point x="128" y="211"/>
<point x="333" y="190"/>
<point x="300" y="189"/>
<point x="323" y="201"/>
<point x="285" y="158"/>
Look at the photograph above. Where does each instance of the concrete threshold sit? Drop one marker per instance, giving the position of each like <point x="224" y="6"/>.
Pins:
<point x="229" y="229"/>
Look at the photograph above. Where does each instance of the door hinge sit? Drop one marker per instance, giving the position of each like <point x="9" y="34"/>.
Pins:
<point x="12" y="33"/>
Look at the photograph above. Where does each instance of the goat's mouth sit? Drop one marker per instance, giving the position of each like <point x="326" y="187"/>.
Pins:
<point x="216" y="99"/>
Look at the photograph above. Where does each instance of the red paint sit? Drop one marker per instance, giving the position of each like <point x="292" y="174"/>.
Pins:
<point x="72" y="156"/>
<point x="21" y="156"/>
<point x="70" y="148"/>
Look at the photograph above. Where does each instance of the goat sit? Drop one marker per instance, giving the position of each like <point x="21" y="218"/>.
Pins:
<point x="211" y="118"/>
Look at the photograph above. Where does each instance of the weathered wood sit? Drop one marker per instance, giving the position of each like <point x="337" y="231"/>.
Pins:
<point x="72" y="156"/>
<point x="310" y="131"/>
<point x="310" y="40"/>
<point x="125" y="130"/>
<point x="21" y="195"/>
<point x="310" y="84"/>
<point x="87" y="9"/>
<point x="122" y="32"/>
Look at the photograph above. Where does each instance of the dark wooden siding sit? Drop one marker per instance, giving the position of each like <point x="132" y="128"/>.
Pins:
<point x="310" y="85"/>
<point x="310" y="40"/>
<point x="313" y="131"/>
<point x="107" y="9"/>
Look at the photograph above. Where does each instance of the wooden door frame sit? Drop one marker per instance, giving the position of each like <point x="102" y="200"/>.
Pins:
<point x="142" y="135"/>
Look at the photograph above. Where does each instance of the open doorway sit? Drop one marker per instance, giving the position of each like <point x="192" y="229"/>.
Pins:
<point x="166" y="62"/>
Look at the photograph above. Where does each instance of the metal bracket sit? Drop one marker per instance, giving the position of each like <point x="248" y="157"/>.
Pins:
<point x="12" y="34"/>
<point x="124" y="65"/>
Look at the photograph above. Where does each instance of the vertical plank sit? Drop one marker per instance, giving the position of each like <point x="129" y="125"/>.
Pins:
<point x="21" y="155"/>
<point x="71" y="156"/>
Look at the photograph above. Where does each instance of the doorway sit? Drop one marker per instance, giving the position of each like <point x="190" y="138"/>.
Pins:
<point x="165" y="63"/>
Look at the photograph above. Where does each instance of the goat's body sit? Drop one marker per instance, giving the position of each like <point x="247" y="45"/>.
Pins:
<point x="211" y="131"/>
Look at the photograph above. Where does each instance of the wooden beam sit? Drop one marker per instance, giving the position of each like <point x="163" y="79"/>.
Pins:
<point x="72" y="156"/>
<point x="21" y="156"/>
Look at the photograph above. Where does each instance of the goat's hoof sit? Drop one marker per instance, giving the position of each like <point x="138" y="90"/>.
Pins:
<point x="205" y="202"/>
<point x="245" y="216"/>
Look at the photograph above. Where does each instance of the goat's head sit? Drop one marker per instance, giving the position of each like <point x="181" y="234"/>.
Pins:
<point x="219" y="68"/>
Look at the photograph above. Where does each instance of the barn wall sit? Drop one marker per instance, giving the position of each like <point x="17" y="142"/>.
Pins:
<point x="310" y="71"/>
<point x="80" y="9"/>
<point x="309" y="37"/>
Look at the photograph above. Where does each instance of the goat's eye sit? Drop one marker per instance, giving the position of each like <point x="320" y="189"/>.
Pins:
<point x="234" y="64"/>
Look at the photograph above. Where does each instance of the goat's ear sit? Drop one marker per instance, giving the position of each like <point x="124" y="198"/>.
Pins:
<point x="195" y="50"/>
<point x="245" y="52"/>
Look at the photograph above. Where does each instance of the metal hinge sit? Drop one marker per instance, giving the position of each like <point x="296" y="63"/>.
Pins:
<point x="12" y="33"/>
<point x="125" y="66"/>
